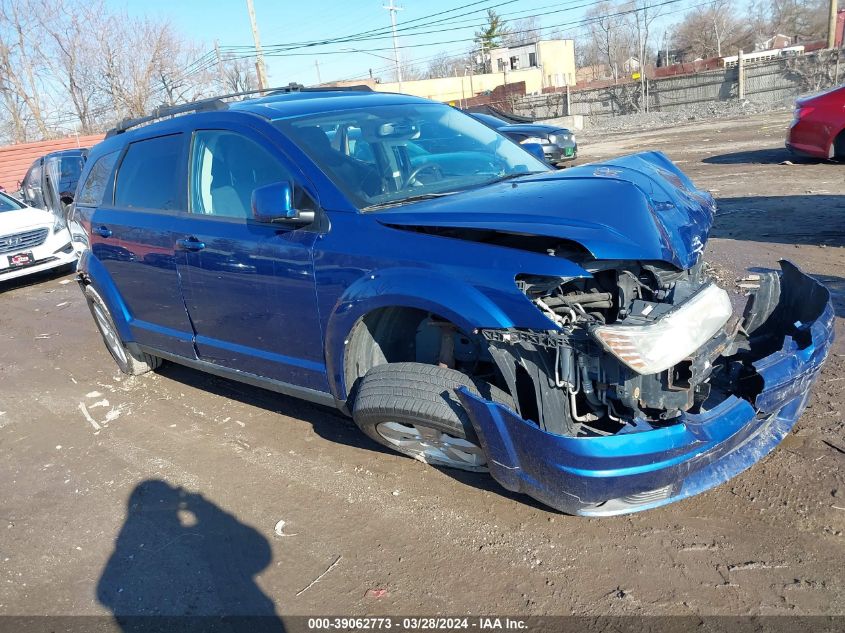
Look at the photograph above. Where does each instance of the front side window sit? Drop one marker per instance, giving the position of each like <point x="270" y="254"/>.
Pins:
<point x="92" y="190"/>
<point x="150" y="175"/>
<point x="226" y="168"/>
<point x="386" y="155"/>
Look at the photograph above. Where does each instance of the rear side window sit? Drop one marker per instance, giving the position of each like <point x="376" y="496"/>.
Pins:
<point x="151" y="175"/>
<point x="92" y="190"/>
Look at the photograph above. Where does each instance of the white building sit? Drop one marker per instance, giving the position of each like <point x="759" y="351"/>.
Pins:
<point x="555" y="58"/>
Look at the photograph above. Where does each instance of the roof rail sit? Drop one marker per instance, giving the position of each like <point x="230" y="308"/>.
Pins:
<point x="294" y="87"/>
<point x="217" y="103"/>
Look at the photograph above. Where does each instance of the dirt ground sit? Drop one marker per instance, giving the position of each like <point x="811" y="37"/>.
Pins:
<point x="143" y="495"/>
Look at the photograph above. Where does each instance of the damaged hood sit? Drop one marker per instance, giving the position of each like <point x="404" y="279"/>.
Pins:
<point x="638" y="207"/>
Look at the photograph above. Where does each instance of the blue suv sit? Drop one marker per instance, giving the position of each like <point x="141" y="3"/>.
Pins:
<point x="464" y="303"/>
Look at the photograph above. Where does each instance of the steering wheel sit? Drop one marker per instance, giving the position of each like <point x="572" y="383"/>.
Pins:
<point x="434" y="167"/>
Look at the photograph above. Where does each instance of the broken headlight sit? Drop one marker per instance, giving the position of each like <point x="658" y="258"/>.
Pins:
<point x="651" y="347"/>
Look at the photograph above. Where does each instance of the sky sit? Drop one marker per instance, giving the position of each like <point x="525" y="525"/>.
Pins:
<point x="282" y="22"/>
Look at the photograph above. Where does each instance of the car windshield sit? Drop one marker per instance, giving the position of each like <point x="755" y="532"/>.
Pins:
<point x="8" y="203"/>
<point x="386" y="155"/>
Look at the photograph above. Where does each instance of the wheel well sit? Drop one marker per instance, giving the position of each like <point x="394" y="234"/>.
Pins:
<point x="402" y="334"/>
<point x="839" y="145"/>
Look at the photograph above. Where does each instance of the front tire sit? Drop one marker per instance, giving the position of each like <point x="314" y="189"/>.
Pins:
<point x="412" y="408"/>
<point x="129" y="363"/>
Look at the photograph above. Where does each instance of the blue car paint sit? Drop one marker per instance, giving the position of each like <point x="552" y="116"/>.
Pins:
<point x="636" y="208"/>
<point x="590" y="213"/>
<point x="473" y="285"/>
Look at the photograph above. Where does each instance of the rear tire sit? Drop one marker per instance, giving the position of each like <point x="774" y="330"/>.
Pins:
<point x="129" y="363"/>
<point x="412" y="408"/>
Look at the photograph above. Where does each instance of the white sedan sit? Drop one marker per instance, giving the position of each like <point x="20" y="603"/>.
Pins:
<point x="31" y="240"/>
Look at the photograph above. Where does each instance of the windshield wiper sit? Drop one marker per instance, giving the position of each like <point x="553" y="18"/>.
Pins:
<point x="417" y="198"/>
<point x="512" y="176"/>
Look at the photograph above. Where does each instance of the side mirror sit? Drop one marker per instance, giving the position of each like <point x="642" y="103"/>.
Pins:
<point x="535" y="149"/>
<point x="274" y="203"/>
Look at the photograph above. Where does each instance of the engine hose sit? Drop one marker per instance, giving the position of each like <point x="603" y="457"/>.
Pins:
<point x="583" y="297"/>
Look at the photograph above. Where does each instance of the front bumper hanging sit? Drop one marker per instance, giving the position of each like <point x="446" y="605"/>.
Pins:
<point x="634" y="471"/>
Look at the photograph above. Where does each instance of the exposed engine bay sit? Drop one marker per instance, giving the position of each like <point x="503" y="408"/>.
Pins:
<point x="639" y="343"/>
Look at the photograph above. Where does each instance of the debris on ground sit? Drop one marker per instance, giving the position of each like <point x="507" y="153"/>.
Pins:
<point x="88" y="417"/>
<point x="320" y="577"/>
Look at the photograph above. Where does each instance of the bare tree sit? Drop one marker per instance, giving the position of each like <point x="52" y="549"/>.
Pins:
<point x="446" y="65"/>
<point x="55" y="76"/>
<point x="13" y="116"/>
<point x="710" y="31"/>
<point x="71" y="53"/>
<point x="610" y="39"/>
<point x="817" y="71"/>
<point x="22" y="64"/>
<point x="804" y="20"/>
<point x="524" y="31"/>
<point x="236" y="75"/>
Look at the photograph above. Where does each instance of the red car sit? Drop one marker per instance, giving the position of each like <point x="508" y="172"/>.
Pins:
<point x="818" y="128"/>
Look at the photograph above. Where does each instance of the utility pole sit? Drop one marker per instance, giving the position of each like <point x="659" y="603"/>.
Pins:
<point x="641" y="66"/>
<point x="260" y="69"/>
<point x="831" y="25"/>
<point x="219" y="62"/>
<point x="317" y="64"/>
<point x="740" y="68"/>
<point x="392" y="8"/>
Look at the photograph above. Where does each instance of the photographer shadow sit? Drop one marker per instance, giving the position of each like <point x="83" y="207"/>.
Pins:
<point x="182" y="563"/>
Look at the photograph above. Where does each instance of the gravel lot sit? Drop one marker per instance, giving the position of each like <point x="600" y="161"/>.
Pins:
<point x="164" y="493"/>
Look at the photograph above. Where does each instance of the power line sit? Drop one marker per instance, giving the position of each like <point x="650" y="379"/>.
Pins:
<point x="234" y="50"/>
<point x="373" y="34"/>
<point x="457" y="41"/>
<point x="279" y="52"/>
<point x="576" y="25"/>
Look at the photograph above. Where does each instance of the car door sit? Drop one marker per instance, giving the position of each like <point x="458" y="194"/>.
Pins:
<point x="132" y="236"/>
<point x="248" y="285"/>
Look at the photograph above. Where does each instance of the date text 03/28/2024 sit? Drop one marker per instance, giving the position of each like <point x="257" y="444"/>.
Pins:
<point x="483" y="623"/>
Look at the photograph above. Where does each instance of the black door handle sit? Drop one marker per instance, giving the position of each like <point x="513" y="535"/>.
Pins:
<point x="190" y="244"/>
<point x="103" y="231"/>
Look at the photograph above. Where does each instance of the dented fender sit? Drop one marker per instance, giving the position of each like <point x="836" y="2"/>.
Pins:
<point x="472" y="292"/>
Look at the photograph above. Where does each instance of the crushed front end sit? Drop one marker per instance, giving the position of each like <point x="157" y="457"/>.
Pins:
<point x="652" y="387"/>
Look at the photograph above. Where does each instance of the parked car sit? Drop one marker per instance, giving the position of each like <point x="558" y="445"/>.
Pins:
<point x="476" y="310"/>
<point x="50" y="182"/>
<point x="31" y="240"/>
<point x="818" y="125"/>
<point x="558" y="143"/>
